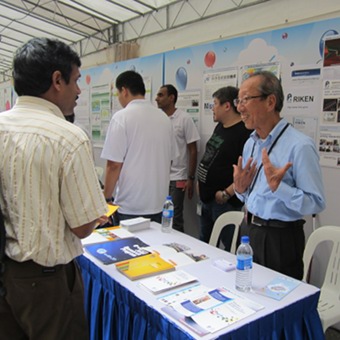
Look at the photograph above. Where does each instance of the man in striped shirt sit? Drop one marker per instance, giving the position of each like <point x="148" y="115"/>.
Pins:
<point x="49" y="194"/>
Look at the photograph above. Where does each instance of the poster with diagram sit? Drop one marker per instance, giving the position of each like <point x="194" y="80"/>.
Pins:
<point x="190" y="102"/>
<point x="329" y="141"/>
<point x="212" y="81"/>
<point x="329" y="136"/>
<point x="100" y="96"/>
<point x="100" y="111"/>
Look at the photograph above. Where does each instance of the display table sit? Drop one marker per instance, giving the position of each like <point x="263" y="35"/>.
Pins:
<point x="118" y="308"/>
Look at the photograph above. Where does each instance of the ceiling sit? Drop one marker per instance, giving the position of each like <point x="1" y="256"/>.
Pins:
<point x="93" y="25"/>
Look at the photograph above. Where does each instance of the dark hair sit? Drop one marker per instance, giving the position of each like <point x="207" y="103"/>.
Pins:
<point x="270" y="84"/>
<point x="35" y="62"/>
<point x="227" y="94"/>
<point x="131" y="80"/>
<point x="171" y="91"/>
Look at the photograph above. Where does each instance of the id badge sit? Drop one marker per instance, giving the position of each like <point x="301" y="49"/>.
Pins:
<point x="199" y="209"/>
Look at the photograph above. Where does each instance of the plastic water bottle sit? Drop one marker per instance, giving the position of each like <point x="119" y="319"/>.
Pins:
<point x="167" y="215"/>
<point x="244" y="265"/>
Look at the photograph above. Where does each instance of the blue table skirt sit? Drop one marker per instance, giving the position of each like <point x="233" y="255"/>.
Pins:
<point x="116" y="313"/>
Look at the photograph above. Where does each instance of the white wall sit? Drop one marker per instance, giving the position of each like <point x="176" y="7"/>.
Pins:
<point x="264" y="17"/>
<point x="270" y="15"/>
<point x="267" y="16"/>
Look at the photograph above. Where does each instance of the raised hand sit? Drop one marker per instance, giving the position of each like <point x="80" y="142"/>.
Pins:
<point x="243" y="176"/>
<point x="274" y="175"/>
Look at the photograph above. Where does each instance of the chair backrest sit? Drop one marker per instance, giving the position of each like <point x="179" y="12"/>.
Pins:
<point x="229" y="217"/>
<point x="325" y="233"/>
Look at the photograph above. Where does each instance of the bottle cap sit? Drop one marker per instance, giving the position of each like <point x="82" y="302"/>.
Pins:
<point x="245" y="239"/>
<point x="169" y="197"/>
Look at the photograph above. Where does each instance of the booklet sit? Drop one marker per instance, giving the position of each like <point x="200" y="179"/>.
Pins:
<point x="279" y="287"/>
<point x="117" y="250"/>
<point x="144" y="266"/>
<point x="164" y="282"/>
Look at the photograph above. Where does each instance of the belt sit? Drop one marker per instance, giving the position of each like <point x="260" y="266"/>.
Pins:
<point x="252" y="219"/>
<point x="35" y="267"/>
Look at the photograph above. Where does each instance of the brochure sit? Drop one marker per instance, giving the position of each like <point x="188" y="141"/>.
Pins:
<point x="111" y="209"/>
<point x="177" y="254"/>
<point x="117" y="250"/>
<point x="165" y="282"/>
<point x="107" y="234"/>
<point x="206" y="310"/>
<point x="279" y="287"/>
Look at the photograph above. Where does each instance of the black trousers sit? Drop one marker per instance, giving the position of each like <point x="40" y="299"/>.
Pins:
<point x="42" y="302"/>
<point x="280" y="249"/>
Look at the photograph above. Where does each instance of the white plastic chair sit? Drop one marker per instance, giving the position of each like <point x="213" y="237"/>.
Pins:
<point x="229" y="217"/>
<point x="329" y="301"/>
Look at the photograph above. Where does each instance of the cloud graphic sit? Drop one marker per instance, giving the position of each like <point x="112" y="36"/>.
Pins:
<point x="105" y="77"/>
<point x="258" y="52"/>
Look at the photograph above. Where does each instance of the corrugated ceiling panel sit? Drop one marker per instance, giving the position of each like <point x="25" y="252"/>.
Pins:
<point x="92" y="25"/>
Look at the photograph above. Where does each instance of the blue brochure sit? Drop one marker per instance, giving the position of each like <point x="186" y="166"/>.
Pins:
<point x="118" y="250"/>
<point x="279" y="287"/>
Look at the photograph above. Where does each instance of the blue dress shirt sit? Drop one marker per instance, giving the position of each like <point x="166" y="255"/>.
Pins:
<point x="300" y="191"/>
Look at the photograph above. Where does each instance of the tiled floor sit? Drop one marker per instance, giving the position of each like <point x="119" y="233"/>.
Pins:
<point x="332" y="334"/>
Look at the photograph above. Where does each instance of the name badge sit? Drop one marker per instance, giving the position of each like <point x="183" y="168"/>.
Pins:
<point x="199" y="209"/>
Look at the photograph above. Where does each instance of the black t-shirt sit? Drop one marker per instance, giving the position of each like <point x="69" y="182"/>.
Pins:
<point x="215" y="170"/>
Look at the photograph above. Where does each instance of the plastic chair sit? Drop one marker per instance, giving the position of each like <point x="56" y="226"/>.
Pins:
<point x="329" y="301"/>
<point x="229" y="217"/>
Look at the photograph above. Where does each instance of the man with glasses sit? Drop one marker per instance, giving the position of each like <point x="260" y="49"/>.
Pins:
<point x="215" y="170"/>
<point x="278" y="177"/>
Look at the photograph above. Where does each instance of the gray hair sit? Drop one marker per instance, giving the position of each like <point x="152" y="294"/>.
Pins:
<point x="270" y="84"/>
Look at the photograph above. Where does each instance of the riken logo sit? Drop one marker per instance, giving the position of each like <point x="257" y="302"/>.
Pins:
<point x="299" y="99"/>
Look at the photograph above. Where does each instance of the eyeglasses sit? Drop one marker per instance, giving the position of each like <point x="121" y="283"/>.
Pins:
<point x="245" y="99"/>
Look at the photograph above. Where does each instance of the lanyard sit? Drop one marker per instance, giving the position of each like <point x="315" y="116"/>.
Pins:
<point x="269" y="151"/>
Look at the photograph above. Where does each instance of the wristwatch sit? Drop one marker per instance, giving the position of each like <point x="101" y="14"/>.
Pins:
<point x="109" y="200"/>
<point x="225" y="195"/>
<point x="191" y="177"/>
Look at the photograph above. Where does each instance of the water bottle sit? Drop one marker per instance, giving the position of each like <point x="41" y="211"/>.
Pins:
<point x="244" y="265"/>
<point x="167" y="215"/>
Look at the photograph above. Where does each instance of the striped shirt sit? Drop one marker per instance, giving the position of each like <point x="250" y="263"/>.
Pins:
<point x="48" y="183"/>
